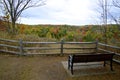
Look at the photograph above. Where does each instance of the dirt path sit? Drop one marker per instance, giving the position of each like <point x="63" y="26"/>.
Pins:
<point x="43" y="68"/>
<point x="32" y="68"/>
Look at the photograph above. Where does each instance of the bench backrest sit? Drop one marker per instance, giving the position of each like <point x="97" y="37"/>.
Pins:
<point x="92" y="57"/>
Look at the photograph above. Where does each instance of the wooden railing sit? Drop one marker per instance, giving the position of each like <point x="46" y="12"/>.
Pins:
<point x="21" y="47"/>
<point x="6" y="43"/>
<point x="24" y="47"/>
<point x="110" y="49"/>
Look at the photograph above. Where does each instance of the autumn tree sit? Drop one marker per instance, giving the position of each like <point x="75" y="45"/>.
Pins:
<point x="14" y="8"/>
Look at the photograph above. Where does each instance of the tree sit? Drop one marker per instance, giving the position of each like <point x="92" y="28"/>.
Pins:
<point x="106" y="11"/>
<point x="116" y="3"/>
<point x="14" y="8"/>
<point x="103" y="11"/>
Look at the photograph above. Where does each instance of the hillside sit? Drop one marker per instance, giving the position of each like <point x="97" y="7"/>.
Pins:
<point x="66" y="32"/>
<point x="2" y="26"/>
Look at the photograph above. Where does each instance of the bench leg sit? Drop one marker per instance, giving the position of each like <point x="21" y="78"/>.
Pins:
<point x="111" y="65"/>
<point x="68" y="63"/>
<point x="71" y="66"/>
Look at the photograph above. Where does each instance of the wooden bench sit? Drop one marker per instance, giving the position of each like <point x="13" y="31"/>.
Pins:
<point x="84" y="58"/>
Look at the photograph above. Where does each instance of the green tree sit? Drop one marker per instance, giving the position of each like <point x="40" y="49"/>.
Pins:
<point x="43" y="32"/>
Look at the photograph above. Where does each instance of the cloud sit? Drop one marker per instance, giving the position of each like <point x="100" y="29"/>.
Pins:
<point x="73" y="12"/>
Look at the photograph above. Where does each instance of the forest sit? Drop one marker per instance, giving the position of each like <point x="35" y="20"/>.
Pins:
<point x="86" y="33"/>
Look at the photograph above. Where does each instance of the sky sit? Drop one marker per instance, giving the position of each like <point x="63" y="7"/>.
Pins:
<point x="69" y="12"/>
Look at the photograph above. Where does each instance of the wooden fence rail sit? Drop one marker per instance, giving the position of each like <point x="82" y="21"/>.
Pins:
<point x="59" y="47"/>
<point x="111" y="49"/>
<point x="21" y="47"/>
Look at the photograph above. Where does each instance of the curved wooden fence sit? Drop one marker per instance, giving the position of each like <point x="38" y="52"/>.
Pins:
<point x="110" y="49"/>
<point x="21" y="47"/>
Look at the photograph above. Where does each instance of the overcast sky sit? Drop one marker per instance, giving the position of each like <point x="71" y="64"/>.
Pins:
<point x="70" y="12"/>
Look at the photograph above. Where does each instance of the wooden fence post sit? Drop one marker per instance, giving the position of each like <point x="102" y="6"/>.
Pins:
<point x="21" y="47"/>
<point x="62" y="42"/>
<point x="96" y="46"/>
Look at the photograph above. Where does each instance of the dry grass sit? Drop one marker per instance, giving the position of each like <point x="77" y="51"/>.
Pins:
<point x="43" y="68"/>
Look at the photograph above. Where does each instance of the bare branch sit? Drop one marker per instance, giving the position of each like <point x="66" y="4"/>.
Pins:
<point x="15" y="7"/>
<point x="116" y="3"/>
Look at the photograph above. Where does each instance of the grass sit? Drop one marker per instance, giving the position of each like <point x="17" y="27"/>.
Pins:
<point x="43" y="68"/>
